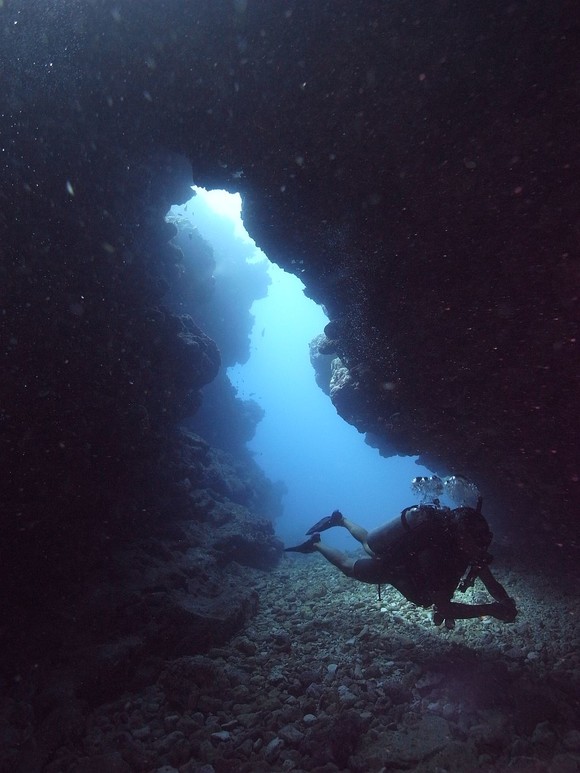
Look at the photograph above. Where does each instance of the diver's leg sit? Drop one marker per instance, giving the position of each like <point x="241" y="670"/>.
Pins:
<point x="358" y="532"/>
<point x="338" y="519"/>
<point x="336" y="558"/>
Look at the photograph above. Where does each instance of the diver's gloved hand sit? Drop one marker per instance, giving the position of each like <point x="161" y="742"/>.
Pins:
<point x="505" y="611"/>
<point x="439" y="618"/>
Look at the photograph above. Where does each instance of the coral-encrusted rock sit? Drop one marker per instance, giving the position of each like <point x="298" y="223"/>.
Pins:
<point x="343" y="390"/>
<point x="183" y="621"/>
<point x="322" y="354"/>
<point x="227" y="504"/>
<point x="211" y="477"/>
<point x="197" y="356"/>
<point x="248" y="541"/>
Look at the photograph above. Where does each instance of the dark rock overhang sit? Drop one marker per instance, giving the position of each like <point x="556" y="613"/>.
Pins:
<point x="416" y="165"/>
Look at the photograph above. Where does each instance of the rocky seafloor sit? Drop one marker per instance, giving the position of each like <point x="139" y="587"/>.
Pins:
<point x="328" y="678"/>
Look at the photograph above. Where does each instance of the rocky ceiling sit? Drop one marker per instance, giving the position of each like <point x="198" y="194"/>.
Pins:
<point x="414" y="162"/>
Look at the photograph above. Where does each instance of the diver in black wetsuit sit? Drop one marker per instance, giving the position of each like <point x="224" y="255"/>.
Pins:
<point x="427" y="553"/>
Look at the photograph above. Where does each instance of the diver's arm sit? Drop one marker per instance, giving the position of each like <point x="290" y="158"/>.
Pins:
<point x="503" y="608"/>
<point x="451" y="610"/>
<point x="495" y="588"/>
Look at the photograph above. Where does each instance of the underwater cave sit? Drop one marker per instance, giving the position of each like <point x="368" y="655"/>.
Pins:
<point x="177" y="409"/>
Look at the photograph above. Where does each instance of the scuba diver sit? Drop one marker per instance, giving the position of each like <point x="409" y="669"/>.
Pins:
<point x="426" y="553"/>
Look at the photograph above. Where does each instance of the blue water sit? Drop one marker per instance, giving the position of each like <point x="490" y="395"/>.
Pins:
<point x="302" y="441"/>
<point x="324" y="461"/>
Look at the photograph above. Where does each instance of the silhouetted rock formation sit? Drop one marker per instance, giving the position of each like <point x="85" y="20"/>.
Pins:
<point x="217" y="286"/>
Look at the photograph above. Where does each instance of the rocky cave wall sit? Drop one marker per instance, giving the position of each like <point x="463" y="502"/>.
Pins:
<point x="415" y="163"/>
<point x="123" y="539"/>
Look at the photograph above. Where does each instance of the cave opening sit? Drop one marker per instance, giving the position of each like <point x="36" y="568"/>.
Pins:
<point x="264" y="323"/>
